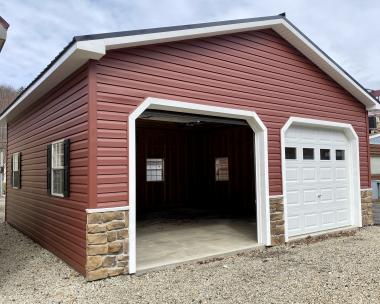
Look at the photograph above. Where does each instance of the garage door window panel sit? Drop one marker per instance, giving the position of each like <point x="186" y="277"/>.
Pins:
<point x="325" y="154"/>
<point x="340" y="154"/>
<point x="290" y="153"/>
<point x="308" y="153"/>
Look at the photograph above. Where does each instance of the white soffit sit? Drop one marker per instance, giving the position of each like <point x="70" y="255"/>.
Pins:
<point x="82" y="51"/>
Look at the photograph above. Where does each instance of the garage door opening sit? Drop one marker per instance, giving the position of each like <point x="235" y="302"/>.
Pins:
<point x="195" y="187"/>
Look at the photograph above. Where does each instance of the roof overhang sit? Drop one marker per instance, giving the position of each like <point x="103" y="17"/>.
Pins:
<point x="3" y="36"/>
<point x="3" y="31"/>
<point x="84" y="48"/>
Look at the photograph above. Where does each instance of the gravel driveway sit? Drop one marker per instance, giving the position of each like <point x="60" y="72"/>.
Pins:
<point x="339" y="270"/>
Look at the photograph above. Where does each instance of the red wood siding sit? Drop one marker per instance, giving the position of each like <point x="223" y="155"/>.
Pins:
<point x="56" y="223"/>
<point x="256" y="71"/>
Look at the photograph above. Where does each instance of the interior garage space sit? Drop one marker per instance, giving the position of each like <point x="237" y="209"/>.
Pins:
<point x="195" y="187"/>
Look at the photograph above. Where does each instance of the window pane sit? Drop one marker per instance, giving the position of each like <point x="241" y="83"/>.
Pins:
<point x="340" y="154"/>
<point x="325" y="154"/>
<point x="221" y="169"/>
<point x="308" y="153"/>
<point x="57" y="182"/>
<point x="154" y="169"/>
<point x="15" y="161"/>
<point x="57" y="155"/>
<point x="290" y="153"/>
<point x="15" y="179"/>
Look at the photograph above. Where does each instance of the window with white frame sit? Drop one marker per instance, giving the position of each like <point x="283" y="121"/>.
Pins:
<point x="221" y="169"/>
<point x="16" y="170"/>
<point x="57" y="168"/>
<point x="1" y="158"/>
<point x="155" y="169"/>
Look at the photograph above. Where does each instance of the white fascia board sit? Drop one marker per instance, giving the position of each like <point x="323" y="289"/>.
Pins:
<point x="69" y="62"/>
<point x="294" y="37"/>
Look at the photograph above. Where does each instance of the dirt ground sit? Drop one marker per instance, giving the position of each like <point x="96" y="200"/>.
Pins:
<point x="337" y="270"/>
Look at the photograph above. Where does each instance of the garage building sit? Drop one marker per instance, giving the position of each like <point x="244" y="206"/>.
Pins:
<point x="133" y="150"/>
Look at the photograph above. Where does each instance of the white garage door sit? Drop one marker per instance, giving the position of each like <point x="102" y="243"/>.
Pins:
<point x="317" y="180"/>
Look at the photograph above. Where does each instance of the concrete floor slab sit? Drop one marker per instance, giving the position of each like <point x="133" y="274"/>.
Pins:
<point x="164" y="243"/>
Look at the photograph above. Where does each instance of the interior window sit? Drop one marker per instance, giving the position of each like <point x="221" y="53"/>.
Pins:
<point x="221" y="169"/>
<point x="340" y="154"/>
<point x="155" y="169"/>
<point x="290" y="153"/>
<point x="325" y="154"/>
<point x="308" y="153"/>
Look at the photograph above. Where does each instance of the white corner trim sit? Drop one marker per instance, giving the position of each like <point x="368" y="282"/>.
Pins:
<point x="96" y="210"/>
<point x="261" y="161"/>
<point x="356" y="219"/>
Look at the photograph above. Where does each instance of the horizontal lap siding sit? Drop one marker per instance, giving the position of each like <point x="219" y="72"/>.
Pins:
<point x="256" y="71"/>
<point x="57" y="224"/>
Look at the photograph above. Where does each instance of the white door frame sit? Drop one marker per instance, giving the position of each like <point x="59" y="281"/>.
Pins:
<point x="353" y="163"/>
<point x="261" y="161"/>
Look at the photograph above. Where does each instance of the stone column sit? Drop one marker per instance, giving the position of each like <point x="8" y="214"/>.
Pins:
<point x="367" y="206"/>
<point x="107" y="244"/>
<point x="277" y="223"/>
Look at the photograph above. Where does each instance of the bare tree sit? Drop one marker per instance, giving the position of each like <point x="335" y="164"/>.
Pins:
<point x="7" y="95"/>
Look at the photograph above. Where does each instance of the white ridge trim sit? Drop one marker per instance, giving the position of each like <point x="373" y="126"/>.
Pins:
<point x="95" y="210"/>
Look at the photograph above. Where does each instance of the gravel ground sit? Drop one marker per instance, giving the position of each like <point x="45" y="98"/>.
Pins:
<point x="339" y="270"/>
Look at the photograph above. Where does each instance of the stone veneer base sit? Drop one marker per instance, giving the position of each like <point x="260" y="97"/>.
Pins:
<point x="367" y="207"/>
<point x="107" y="244"/>
<point x="277" y="223"/>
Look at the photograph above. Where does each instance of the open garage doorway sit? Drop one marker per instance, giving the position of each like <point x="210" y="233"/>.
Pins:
<point x="260" y="147"/>
<point x="195" y="187"/>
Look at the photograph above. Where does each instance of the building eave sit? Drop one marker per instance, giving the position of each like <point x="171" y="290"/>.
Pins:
<point x="84" y="48"/>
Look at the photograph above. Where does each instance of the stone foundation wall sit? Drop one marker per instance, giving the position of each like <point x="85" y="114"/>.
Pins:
<point x="277" y="223"/>
<point x="367" y="207"/>
<point x="107" y="244"/>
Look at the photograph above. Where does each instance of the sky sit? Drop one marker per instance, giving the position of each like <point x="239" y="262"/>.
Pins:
<point x="348" y="31"/>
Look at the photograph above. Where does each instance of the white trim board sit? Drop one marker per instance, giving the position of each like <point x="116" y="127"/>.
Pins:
<point x="354" y="161"/>
<point x="110" y="209"/>
<point x="261" y="161"/>
<point x="82" y="51"/>
<point x="276" y="196"/>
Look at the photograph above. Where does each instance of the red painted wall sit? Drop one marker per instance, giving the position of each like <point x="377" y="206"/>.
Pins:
<point x="56" y="223"/>
<point x="256" y="71"/>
